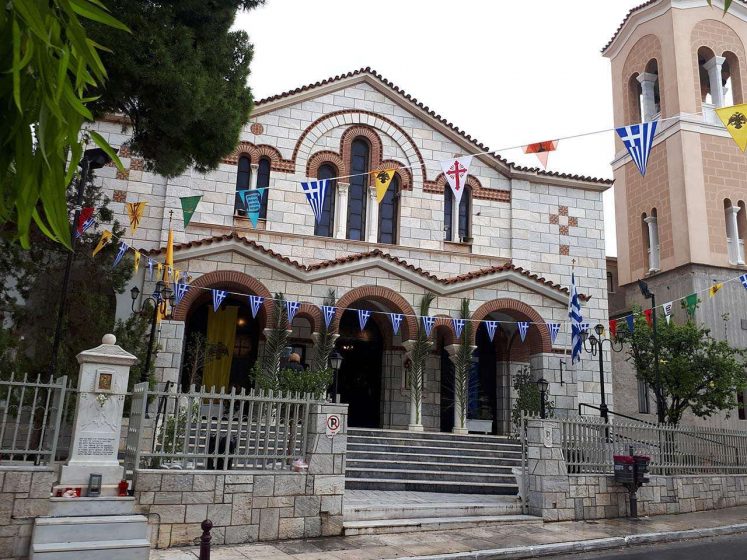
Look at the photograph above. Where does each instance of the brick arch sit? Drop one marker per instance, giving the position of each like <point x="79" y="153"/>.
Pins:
<point x="473" y="183"/>
<point x="641" y="53"/>
<point x="228" y="279"/>
<point x="325" y="157"/>
<point x="719" y="38"/>
<point x="386" y="296"/>
<point x="443" y="323"/>
<point x="538" y="335"/>
<point x="257" y="152"/>
<point x="367" y="133"/>
<point x="312" y="314"/>
<point x="405" y="176"/>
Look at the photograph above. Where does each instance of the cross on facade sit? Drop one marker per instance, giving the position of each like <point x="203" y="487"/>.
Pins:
<point x="564" y="223"/>
<point x="456" y="171"/>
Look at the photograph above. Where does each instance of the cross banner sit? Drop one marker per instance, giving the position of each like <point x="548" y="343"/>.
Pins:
<point x="396" y="321"/>
<point x="150" y="269"/>
<point x="218" y="297"/>
<point x="255" y="302"/>
<point x="291" y="308"/>
<point x="638" y="140"/>
<point x="85" y="221"/>
<point x="491" y="326"/>
<point x="180" y="290"/>
<point x="253" y="204"/>
<point x="122" y="250"/>
<point x="428" y="323"/>
<point x="456" y="172"/>
<point x="613" y="328"/>
<point x="363" y="316"/>
<point x="554" y="329"/>
<point x="523" y="328"/>
<point x="315" y="191"/>
<point x="329" y="314"/>
<point x="458" y="325"/>
<point x="631" y="323"/>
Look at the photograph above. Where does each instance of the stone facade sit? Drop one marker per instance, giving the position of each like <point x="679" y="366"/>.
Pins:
<point x="24" y="495"/>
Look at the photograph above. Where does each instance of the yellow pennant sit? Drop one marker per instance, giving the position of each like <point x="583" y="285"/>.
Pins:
<point x="137" y="260"/>
<point x="382" y="179"/>
<point x="159" y="268"/>
<point x="715" y="288"/>
<point x="135" y="212"/>
<point x="735" y="121"/>
<point x="177" y="274"/>
<point x="106" y="235"/>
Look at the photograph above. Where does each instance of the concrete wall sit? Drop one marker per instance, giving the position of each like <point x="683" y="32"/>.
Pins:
<point x="24" y="495"/>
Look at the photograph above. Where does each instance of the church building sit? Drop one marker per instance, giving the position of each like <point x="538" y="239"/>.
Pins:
<point x="509" y="246"/>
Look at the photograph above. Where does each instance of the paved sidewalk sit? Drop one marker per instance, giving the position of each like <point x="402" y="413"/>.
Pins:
<point x="492" y="541"/>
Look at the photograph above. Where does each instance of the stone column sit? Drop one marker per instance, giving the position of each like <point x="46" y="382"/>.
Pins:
<point x="648" y="82"/>
<point x="459" y="427"/>
<point x="373" y="215"/>
<point x="732" y="232"/>
<point x="713" y="67"/>
<point x="341" y="211"/>
<point x="454" y="215"/>
<point x="253" y="176"/>
<point x="102" y="385"/>
<point x="548" y="486"/>
<point x="416" y="405"/>
<point x="653" y="240"/>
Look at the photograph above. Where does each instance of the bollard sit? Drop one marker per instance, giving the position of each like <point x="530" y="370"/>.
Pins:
<point x="205" y="539"/>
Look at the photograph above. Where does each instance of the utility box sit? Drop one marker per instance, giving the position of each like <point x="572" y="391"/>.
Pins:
<point x="640" y="465"/>
<point x="624" y="469"/>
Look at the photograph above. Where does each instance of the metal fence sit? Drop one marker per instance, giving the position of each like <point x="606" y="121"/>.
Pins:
<point x="33" y="414"/>
<point x="204" y="429"/>
<point x="588" y="446"/>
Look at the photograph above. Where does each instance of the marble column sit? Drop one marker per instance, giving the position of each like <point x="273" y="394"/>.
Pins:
<point x="713" y="67"/>
<point x="373" y="216"/>
<point x="341" y="211"/>
<point x="648" y="83"/>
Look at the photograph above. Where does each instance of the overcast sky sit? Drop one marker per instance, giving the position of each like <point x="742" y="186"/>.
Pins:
<point x="508" y="72"/>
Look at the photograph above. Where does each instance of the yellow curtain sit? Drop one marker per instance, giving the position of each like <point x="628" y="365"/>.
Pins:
<point x="221" y="328"/>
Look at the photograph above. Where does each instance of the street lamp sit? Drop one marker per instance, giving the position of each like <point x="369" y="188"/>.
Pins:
<point x="335" y="360"/>
<point x="648" y="294"/>
<point x="542" y="385"/>
<point x="162" y="297"/>
<point x="596" y="343"/>
<point x="95" y="158"/>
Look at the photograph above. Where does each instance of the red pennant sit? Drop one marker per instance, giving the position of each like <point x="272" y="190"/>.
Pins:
<point x="613" y="328"/>
<point x="542" y="150"/>
<point x="83" y="217"/>
<point x="648" y="313"/>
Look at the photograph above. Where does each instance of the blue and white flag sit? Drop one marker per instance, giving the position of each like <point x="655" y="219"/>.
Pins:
<point x="554" y="329"/>
<point x="255" y="302"/>
<point x="584" y="327"/>
<point x="329" y="313"/>
<point x="363" y="316"/>
<point x="291" y="308"/>
<point x="523" y="328"/>
<point x="218" y="297"/>
<point x="638" y="139"/>
<point x="180" y="290"/>
<point x="396" y="321"/>
<point x="574" y="314"/>
<point x="428" y="323"/>
<point x="631" y="323"/>
<point x="743" y="280"/>
<point x="315" y="191"/>
<point x="491" y="326"/>
<point x="253" y="204"/>
<point x="121" y="253"/>
<point x="150" y="269"/>
<point x="458" y="325"/>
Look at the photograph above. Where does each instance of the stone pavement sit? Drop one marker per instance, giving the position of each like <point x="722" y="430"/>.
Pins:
<point x="403" y="545"/>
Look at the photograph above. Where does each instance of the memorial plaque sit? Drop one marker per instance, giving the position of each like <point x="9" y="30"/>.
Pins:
<point x="95" y="446"/>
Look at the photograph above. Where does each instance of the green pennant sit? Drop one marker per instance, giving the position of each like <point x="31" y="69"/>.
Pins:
<point x="189" y="205"/>
<point x="691" y="303"/>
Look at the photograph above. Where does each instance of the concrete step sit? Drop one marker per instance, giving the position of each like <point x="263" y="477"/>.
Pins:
<point x="384" y="526"/>
<point x="431" y="450"/>
<point x="429" y="435"/>
<point x="461" y="466"/>
<point x="432" y="458"/>
<point x="445" y="486"/>
<point x="418" y="443"/>
<point x="77" y="507"/>
<point x="109" y="550"/>
<point x="50" y="530"/>
<point x="433" y="476"/>
<point x="370" y="512"/>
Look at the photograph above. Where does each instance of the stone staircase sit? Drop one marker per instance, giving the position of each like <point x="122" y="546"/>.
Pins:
<point x="431" y="462"/>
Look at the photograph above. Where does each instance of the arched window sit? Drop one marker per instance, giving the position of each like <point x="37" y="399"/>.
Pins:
<point x="358" y="192"/>
<point x="325" y="226"/>
<point x="704" y="55"/>
<point x="388" y="212"/>
<point x="243" y="178"/>
<point x="263" y="182"/>
<point x="650" y="97"/>
<point x="635" y="107"/>
<point x="731" y="79"/>
<point x="464" y="223"/>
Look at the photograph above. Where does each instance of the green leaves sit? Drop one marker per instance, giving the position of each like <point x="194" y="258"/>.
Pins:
<point x="727" y="4"/>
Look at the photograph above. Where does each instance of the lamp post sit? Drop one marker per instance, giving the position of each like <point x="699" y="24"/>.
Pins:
<point x="542" y="385"/>
<point x="596" y="342"/>
<point x="95" y="158"/>
<point x="648" y="294"/>
<point x="162" y="297"/>
<point x="335" y="360"/>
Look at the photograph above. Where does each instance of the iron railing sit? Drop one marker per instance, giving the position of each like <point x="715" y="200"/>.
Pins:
<point x="205" y="429"/>
<point x="589" y="443"/>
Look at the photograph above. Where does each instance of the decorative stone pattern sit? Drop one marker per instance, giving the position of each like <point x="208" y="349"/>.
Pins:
<point x="24" y="495"/>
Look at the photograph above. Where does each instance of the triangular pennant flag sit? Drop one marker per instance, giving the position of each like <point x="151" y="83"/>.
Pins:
<point x="631" y="323"/>
<point x="189" y="205"/>
<point x="159" y="268"/>
<point x="542" y="150"/>
<point x="523" y="328"/>
<point x="363" y="316"/>
<point x="382" y="180"/>
<point x="255" y="302"/>
<point x="106" y="235"/>
<point x="456" y="172"/>
<point x="691" y="304"/>
<point x="554" y="329"/>
<point x="613" y="328"/>
<point x="150" y="268"/>
<point x="253" y="204"/>
<point x="218" y="297"/>
<point x="583" y="327"/>
<point x="135" y="212"/>
<point x="735" y="121"/>
<point x="396" y="321"/>
<point x="458" y="325"/>
<point x="715" y="288"/>
<point x="638" y="139"/>
<point x="743" y="280"/>
<point x="291" y="308"/>
<point x="329" y="314"/>
<point x="668" y="310"/>
<point x="180" y="290"/>
<point x="428" y="323"/>
<point x="177" y="274"/>
<point x="136" y="262"/>
<point x="491" y="326"/>
<point x="122" y="250"/>
<point x="85" y="221"/>
<point x="649" y="316"/>
<point x="315" y="191"/>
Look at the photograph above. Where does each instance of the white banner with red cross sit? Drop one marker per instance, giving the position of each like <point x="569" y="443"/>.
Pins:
<point x="456" y="172"/>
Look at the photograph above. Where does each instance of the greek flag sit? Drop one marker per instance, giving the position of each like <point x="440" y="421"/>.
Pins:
<point x="363" y="316"/>
<point x="180" y="290"/>
<point x="396" y="321"/>
<point x="491" y="326"/>
<point x="458" y="325"/>
<point x="255" y="302"/>
<point x="743" y="280"/>
<point x="574" y="314"/>
<point x="428" y="323"/>
<point x="638" y="139"/>
<point x="218" y="297"/>
<point x="315" y="191"/>
<point x="523" y="328"/>
<point x="554" y="329"/>
<point x="292" y="307"/>
<point x="329" y="313"/>
<point x="122" y="250"/>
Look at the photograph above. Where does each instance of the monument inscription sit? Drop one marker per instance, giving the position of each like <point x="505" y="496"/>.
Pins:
<point x="97" y="446"/>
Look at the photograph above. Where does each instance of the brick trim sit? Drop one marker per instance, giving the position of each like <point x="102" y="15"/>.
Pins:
<point x="311" y="313"/>
<point x="538" y="336"/>
<point x="394" y="301"/>
<point x="368" y="133"/>
<point x="256" y="152"/>
<point x="405" y="175"/>
<point x="320" y="158"/>
<point x="443" y="322"/>
<point x="477" y="190"/>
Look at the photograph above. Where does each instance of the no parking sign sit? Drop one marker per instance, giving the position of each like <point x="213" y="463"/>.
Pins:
<point x="334" y="423"/>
